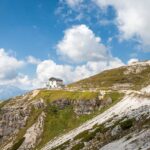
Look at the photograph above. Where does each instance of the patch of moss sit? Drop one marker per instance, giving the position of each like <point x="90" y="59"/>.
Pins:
<point x="81" y="135"/>
<point x="101" y="128"/>
<point x="89" y="137"/>
<point x="127" y="124"/>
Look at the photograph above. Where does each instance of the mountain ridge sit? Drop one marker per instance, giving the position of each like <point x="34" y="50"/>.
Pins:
<point x="8" y="91"/>
<point x="134" y="76"/>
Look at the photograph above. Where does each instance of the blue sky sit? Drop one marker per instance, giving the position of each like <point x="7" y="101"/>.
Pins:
<point x="40" y="38"/>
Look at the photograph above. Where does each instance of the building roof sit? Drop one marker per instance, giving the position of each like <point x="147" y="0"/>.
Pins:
<point x="55" y="79"/>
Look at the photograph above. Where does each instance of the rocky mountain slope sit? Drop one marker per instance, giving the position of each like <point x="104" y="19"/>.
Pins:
<point x="123" y="125"/>
<point x="81" y="118"/>
<point x="31" y="120"/>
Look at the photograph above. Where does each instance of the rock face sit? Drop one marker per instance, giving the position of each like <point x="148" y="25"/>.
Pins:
<point x="146" y="90"/>
<point x="135" y="68"/>
<point x="85" y="107"/>
<point x="80" y="107"/>
<point x="14" y="116"/>
<point x="12" y="120"/>
<point x="39" y="104"/>
<point x="61" y="103"/>
<point x="116" y="130"/>
<point x="139" y="140"/>
<point x="124" y="86"/>
<point x="33" y="133"/>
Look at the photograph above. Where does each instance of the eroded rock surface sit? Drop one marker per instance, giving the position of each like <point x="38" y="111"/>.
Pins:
<point x="33" y="133"/>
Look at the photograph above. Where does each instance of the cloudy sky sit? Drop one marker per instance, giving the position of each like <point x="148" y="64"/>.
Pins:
<point x="69" y="39"/>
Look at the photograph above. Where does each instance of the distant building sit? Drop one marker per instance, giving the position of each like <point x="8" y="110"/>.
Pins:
<point x="54" y="83"/>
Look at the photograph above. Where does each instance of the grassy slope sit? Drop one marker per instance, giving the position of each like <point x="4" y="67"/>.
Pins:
<point x="61" y="121"/>
<point x="106" y="79"/>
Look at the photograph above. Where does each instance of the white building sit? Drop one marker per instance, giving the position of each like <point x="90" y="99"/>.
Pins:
<point x="54" y="83"/>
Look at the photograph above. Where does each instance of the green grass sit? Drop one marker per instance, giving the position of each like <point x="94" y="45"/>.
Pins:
<point x="60" y="121"/>
<point x="104" y="79"/>
<point x="52" y="95"/>
<point x="114" y="95"/>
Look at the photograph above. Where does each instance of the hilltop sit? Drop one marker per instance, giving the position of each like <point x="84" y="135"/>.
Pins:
<point x="134" y="76"/>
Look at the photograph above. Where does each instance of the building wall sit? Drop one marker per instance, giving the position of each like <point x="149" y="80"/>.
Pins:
<point x="54" y="84"/>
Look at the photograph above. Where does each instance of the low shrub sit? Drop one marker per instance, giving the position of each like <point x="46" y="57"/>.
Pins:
<point x="127" y="124"/>
<point x="89" y="137"/>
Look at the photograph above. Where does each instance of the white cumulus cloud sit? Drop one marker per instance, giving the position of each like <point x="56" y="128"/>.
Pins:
<point x="11" y="68"/>
<point x="133" y="18"/>
<point x="32" y="60"/>
<point x="9" y="65"/>
<point x="80" y="44"/>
